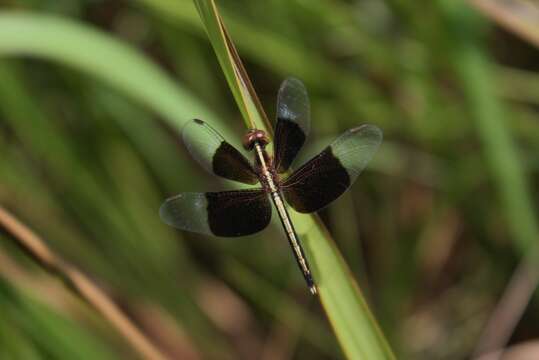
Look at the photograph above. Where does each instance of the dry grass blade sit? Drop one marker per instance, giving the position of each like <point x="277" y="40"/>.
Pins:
<point x="34" y="246"/>
<point x="518" y="16"/>
<point x="509" y="310"/>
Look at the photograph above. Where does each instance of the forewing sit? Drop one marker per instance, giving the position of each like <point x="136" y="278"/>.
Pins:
<point x="293" y="122"/>
<point x="225" y="213"/>
<point x="216" y="155"/>
<point x="327" y="176"/>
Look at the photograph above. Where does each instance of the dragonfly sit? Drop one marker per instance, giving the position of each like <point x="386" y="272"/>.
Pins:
<point x="308" y="189"/>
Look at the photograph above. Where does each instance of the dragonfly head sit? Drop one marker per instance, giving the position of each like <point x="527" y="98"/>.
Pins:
<point x="255" y="136"/>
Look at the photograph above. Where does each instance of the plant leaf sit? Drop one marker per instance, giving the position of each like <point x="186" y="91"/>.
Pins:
<point x="70" y="43"/>
<point x="231" y="64"/>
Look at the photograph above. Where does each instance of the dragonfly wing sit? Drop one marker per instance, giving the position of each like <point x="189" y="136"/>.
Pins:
<point x="224" y="213"/>
<point x="329" y="174"/>
<point x="293" y="123"/>
<point x="216" y="155"/>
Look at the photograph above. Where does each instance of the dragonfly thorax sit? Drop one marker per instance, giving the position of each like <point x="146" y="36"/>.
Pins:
<point x="269" y="179"/>
<point x="265" y="170"/>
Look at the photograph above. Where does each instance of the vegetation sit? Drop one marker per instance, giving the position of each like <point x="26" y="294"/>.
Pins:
<point x="92" y="97"/>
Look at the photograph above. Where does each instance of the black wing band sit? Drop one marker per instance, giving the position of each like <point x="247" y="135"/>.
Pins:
<point x="293" y="123"/>
<point x="216" y="155"/>
<point x="327" y="176"/>
<point x="224" y="213"/>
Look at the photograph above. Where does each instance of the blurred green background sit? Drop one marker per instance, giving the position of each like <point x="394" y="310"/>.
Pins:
<point x="89" y="148"/>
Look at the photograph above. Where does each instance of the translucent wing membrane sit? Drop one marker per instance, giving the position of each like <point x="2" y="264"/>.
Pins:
<point x="327" y="176"/>
<point x="216" y="155"/>
<point x="225" y="213"/>
<point x="293" y="123"/>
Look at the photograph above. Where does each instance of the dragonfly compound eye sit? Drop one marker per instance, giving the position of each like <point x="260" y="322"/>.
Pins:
<point x="255" y="136"/>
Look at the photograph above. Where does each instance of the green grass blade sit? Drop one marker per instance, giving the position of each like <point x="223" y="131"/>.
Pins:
<point x="70" y="43"/>
<point x="57" y="39"/>
<point x="475" y="75"/>
<point x="346" y="309"/>
<point x="47" y="329"/>
<point x="351" y="319"/>
<point x="300" y="60"/>
<point x="232" y="67"/>
<point x="276" y="302"/>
